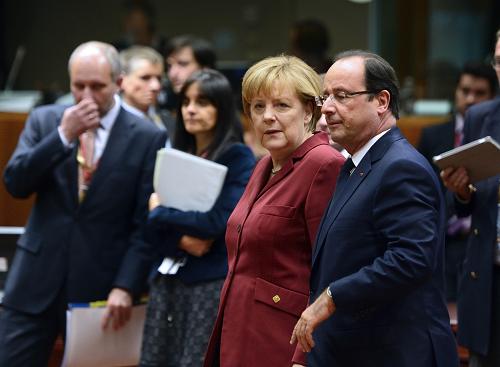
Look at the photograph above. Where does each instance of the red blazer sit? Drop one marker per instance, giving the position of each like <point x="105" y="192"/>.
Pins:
<point x="269" y="240"/>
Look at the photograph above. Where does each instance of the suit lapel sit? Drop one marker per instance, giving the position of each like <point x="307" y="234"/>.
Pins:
<point x="340" y="198"/>
<point x="265" y="184"/>
<point x="492" y="123"/>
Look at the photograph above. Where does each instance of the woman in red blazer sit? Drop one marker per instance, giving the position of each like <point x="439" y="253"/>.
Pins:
<point x="270" y="233"/>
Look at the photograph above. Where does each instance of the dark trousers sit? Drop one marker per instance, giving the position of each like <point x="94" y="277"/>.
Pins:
<point x="27" y="340"/>
<point x="493" y="357"/>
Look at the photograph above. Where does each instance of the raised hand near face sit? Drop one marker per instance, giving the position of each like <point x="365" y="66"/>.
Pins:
<point x="80" y="118"/>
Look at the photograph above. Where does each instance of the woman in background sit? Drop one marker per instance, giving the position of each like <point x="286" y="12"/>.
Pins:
<point x="272" y="230"/>
<point x="183" y="304"/>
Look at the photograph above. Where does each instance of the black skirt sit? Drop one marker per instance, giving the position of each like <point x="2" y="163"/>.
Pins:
<point x="179" y="321"/>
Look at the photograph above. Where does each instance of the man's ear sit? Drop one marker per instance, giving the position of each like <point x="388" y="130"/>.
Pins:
<point x="384" y="98"/>
<point x="119" y="81"/>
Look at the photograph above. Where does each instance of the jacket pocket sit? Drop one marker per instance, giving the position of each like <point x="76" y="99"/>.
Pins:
<point x="279" y="210"/>
<point x="280" y="298"/>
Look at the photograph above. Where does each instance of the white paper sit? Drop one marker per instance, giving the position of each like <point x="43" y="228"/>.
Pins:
<point x="88" y="345"/>
<point x="170" y="265"/>
<point x="187" y="182"/>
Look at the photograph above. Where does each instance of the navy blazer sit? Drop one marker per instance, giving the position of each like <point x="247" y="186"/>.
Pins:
<point x="167" y="225"/>
<point x="437" y="139"/>
<point x="474" y="293"/>
<point x="82" y="249"/>
<point x="380" y="249"/>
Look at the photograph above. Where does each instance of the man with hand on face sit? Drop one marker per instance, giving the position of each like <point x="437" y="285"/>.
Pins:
<point x="377" y="266"/>
<point x="90" y="166"/>
<point x="141" y="84"/>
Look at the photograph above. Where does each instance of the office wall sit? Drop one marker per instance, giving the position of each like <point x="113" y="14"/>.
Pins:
<point x="240" y="30"/>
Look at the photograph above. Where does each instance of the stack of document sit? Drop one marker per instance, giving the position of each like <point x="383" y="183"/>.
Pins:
<point x="186" y="182"/>
<point x="87" y="344"/>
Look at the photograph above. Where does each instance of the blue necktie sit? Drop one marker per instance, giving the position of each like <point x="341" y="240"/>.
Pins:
<point x="344" y="175"/>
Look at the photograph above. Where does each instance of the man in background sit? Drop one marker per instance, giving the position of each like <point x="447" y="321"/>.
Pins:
<point x="90" y="166"/>
<point x="185" y="54"/>
<point x="477" y="83"/>
<point x="139" y="27"/>
<point x="478" y="303"/>
<point x="141" y="84"/>
<point x="310" y="41"/>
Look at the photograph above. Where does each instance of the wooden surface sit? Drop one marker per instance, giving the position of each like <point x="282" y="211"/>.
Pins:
<point x="411" y="126"/>
<point x="13" y="212"/>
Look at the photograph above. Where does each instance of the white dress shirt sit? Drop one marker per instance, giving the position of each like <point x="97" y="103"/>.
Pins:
<point x="358" y="156"/>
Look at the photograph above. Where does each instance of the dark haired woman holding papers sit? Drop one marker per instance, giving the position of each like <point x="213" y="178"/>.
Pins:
<point x="184" y="294"/>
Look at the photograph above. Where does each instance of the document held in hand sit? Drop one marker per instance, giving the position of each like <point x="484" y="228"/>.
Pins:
<point x="87" y="344"/>
<point x="481" y="158"/>
<point x="186" y="182"/>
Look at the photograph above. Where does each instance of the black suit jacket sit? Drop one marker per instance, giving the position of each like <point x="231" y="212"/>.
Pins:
<point x="475" y="292"/>
<point x="82" y="249"/>
<point x="437" y="139"/>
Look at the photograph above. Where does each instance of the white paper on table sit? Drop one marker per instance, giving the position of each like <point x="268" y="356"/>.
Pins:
<point x="88" y="345"/>
<point x="186" y="182"/>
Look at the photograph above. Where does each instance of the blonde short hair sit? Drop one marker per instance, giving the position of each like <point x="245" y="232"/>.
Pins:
<point x="131" y="55"/>
<point x="284" y="71"/>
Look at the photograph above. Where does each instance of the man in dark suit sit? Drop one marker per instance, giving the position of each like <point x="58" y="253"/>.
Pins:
<point x="479" y="292"/>
<point x="83" y="238"/>
<point x="477" y="83"/>
<point x="377" y="270"/>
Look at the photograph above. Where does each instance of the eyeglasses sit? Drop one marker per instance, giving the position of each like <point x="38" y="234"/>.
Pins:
<point x="340" y="96"/>
<point x="495" y="63"/>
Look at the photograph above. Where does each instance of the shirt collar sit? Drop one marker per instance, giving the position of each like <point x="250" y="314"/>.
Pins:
<point x="358" y="156"/>
<point x="133" y="110"/>
<point x="459" y="123"/>
<point x="108" y="120"/>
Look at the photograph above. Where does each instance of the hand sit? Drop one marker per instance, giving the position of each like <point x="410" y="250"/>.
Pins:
<point x="195" y="246"/>
<point x="313" y="315"/>
<point x="80" y="118"/>
<point x="457" y="180"/>
<point x="118" y="309"/>
<point x="154" y="201"/>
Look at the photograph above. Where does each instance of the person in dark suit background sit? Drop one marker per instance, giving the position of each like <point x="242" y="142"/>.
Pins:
<point x="142" y="80"/>
<point x="90" y="166"/>
<point x="377" y="266"/>
<point x="478" y="303"/>
<point x="477" y="83"/>
<point x="139" y="27"/>
<point x="309" y="40"/>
